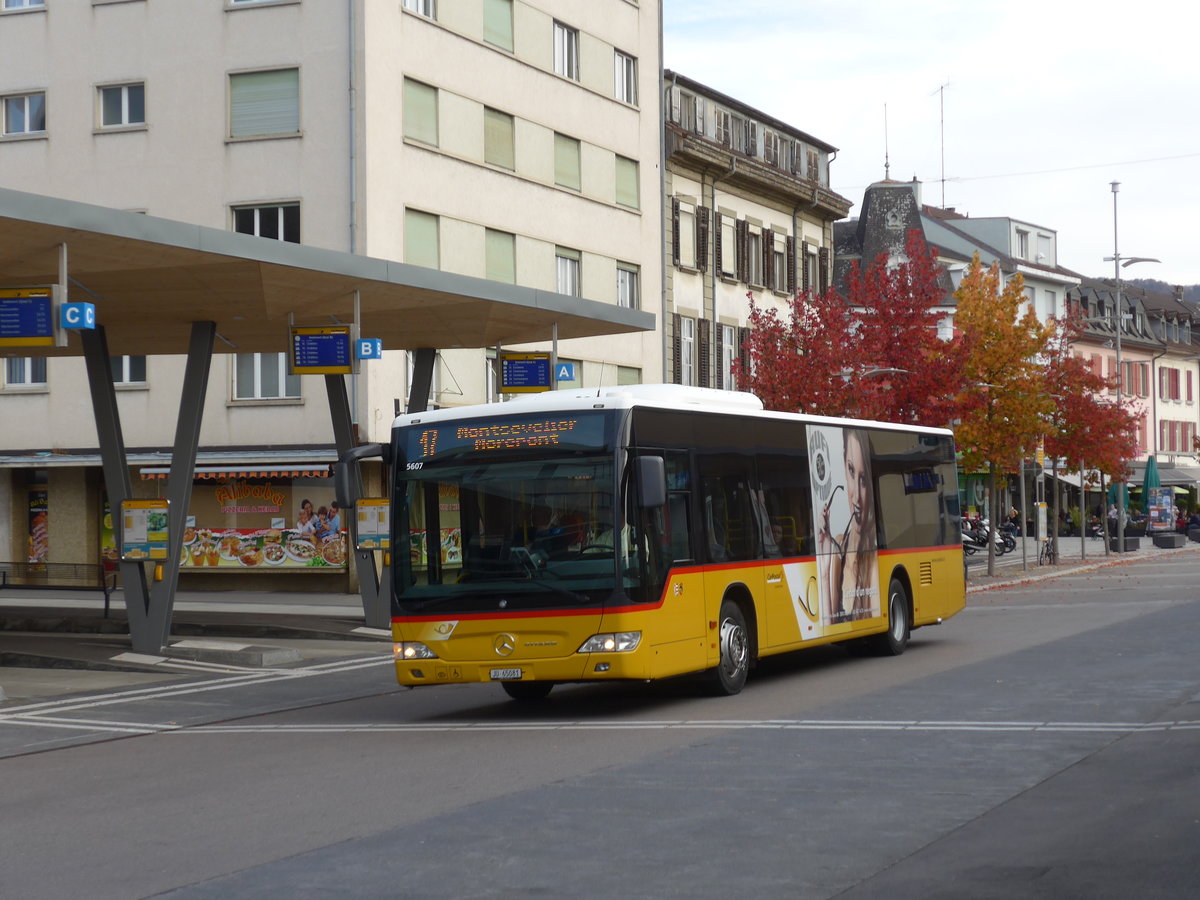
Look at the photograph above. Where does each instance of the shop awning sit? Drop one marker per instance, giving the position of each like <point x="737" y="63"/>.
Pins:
<point x="1168" y="475"/>
<point x="222" y="472"/>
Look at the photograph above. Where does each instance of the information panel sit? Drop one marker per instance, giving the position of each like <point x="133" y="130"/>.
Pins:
<point x="144" y="535"/>
<point x="524" y="373"/>
<point x="27" y="317"/>
<point x="322" y="351"/>
<point x="374" y="524"/>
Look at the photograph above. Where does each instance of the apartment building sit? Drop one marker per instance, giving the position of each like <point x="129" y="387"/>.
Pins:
<point x="749" y="211"/>
<point x="514" y="140"/>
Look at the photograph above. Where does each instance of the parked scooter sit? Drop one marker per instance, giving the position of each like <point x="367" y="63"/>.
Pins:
<point x="975" y="538"/>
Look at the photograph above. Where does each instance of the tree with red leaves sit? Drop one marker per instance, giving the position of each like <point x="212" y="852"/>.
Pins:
<point x="874" y="354"/>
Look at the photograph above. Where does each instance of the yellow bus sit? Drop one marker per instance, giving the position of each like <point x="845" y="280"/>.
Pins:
<point x="651" y="531"/>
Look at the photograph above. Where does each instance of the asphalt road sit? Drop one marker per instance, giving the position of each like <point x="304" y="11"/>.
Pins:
<point x="1044" y="743"/>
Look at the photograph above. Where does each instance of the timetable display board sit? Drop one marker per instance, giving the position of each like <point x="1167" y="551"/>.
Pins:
<point x="524" y="373"/>
<point x="144" y="532"/>
<point x="323" y="350"/>
<point x="373" y="515"/>
<point x="27" y="317"/>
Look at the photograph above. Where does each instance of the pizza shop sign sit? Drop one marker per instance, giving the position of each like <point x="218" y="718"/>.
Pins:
<point x="239" y="497"/>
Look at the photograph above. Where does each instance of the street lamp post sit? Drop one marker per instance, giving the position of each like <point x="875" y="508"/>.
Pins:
<point x="1120" y="313"/>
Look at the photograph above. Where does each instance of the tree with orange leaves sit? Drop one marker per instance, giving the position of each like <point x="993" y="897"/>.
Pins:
<point x="1003" y="403"/>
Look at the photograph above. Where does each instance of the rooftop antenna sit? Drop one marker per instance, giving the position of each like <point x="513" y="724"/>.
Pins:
<point x="941" y="92"/>
<point x="887" y="165"/>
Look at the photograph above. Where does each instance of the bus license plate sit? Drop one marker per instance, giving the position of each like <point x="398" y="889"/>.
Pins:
<point x="506" y="674"/>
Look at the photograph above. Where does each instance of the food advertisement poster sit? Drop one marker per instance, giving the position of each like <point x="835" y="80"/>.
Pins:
<point x="144" y="531"/>
<point x="374" y="524"/>
<point x="39" y="537"/>
<point x="261" y="549"/>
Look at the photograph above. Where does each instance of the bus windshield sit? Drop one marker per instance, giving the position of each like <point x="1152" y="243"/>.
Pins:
<point x="510" y="534"/>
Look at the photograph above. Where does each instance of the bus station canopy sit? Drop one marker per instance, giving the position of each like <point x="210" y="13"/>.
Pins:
<point x="151" y="278"/>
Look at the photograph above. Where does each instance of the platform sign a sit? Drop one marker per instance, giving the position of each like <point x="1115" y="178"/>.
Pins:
<point x="524" y="373"/>
<point x="322" y="350"/>
<point x="27" y="317"/>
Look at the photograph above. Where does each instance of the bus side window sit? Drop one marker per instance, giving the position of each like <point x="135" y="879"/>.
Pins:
<point x="729" y="520"/>
<point x="786" y="494"/>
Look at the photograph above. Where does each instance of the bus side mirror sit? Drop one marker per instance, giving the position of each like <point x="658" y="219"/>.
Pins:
<point x="345" y="471"/>
<point x="652" y="482"/>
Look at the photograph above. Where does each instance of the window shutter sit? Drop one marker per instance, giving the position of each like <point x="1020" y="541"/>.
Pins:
<point x="676" y="111"/>
<point x="675" y="231"/>
<point x="719" y="356"/>
<point x="743" y="240"/>
<point x="718" y="244"/>
<point x="823" y="265"/>
<point x="768" y="258"/>
<point x="790" y="243"/>
<point x="699" y="124"/>
<point x="806" y="273"/>
<point x="269" y="103"/>
<point x="702" y="238"/>
<point x="704" y="327"/>
<point x="676" y="349"/>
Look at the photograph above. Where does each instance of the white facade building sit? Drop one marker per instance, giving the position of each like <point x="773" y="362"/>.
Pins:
<point x="516" y="140"/>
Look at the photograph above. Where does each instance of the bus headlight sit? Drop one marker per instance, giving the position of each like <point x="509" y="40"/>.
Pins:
<point x="617" y="642"/>
<point x="406" y="650"/>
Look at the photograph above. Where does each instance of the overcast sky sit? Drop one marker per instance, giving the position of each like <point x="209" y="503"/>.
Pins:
<point x="1044" y="105"/>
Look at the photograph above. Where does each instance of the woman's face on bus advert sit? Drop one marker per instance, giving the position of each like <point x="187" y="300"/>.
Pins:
<point x="857" y="489"/>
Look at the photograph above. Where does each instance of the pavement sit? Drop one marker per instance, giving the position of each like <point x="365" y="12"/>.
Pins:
<point x="56" y="643"/>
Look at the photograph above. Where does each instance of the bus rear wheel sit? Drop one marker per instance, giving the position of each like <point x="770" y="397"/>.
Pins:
<point x="729" y="677"/>
<point x="528" y="691"/>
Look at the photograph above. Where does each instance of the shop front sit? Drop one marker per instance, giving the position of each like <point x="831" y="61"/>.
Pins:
<point x="247" y="523"/>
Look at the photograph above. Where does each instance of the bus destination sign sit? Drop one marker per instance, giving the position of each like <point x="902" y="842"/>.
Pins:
<point x="508" y="435"/>
<point x="321" y="351"/>
<point x="27" y="317"/>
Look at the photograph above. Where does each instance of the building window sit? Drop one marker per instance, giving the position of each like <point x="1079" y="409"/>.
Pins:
<point x="427" y="8"/>
<point x="629" y="375"/>
<point x="685" y="236"/>
<point x="24" y="4"/>
<point x="25" y="113"/>
<point x="1023" y="244"/>
<point x="566" y="162"/>
<point x="779" y="279"/>
<point x="1044" y="255"/>
<point x="728" y="338"/>
<point x="25" y="371"/>
<point x="627" y="183"/>
<point x="498" y="23"/>
<point x="264" y="376"/>
<point x="626" y="77"/>
<point x="566" y="51"/>
<point x="128" y="369"/>
<point x="567" y="265"/>
<point x="687" y="350"/>
<point x="264" y="104"/>
<point x="420" y="112"/>
<point x="498" y="143"/>
<point x="501" y="258"/>
<point x="421" y="239"/>
<point x="628" y="290"/>
<point x="122" y="105"/>
<point x="279" y="222"/>
<point x="728" y="243"/>
<point x="754" y="257"/>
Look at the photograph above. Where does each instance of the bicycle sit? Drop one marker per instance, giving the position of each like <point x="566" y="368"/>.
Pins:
<point x="1047" y="555"/>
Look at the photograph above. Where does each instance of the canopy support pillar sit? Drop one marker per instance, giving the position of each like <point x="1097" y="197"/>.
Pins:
<point x="374" y="589"/>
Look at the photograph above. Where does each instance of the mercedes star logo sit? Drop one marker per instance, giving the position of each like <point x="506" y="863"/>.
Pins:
<point x="504" y="644"/>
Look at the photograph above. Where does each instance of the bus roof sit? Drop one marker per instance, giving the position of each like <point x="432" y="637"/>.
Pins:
<point x="658" y="396"/>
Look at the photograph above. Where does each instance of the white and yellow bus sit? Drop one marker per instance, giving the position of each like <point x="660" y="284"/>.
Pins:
<point x="651" y="531"/>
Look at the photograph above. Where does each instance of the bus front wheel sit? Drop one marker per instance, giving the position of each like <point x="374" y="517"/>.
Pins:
<point x="729" y="676"/>
<point x="528" y="691"/>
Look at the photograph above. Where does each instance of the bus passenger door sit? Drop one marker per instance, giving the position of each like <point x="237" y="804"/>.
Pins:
<point x="791" y="608"/>
<point x="733" y="538"/>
